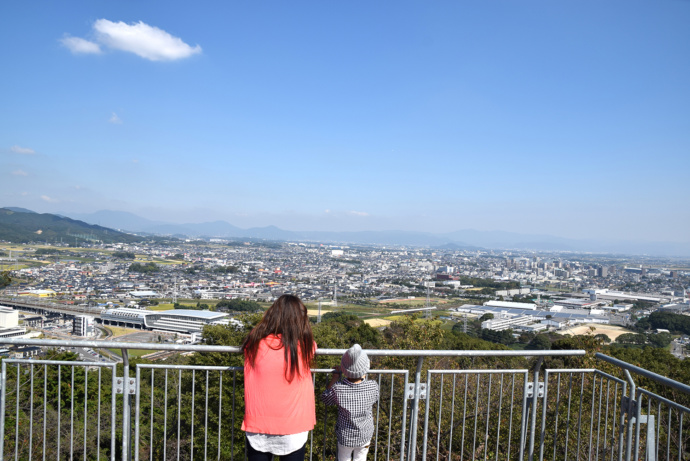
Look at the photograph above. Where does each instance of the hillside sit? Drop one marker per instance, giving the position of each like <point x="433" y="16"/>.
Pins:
<point x="21" y="227"/>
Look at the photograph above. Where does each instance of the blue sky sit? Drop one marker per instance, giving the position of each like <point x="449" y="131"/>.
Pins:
<point x="569" y="118"/>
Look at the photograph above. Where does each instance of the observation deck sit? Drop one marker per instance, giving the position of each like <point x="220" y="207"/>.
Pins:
<point x="434" y="404"/>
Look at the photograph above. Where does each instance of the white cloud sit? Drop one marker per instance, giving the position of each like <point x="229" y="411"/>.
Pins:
<point x="114" y="119"/>
<point x="358" y="213"/>
<point x="80" y="46"/>
<point x="20" y="173"/>
<point x="22" y="150"/>
<point x="45" y="198"/>
<point x="143" y="40"/>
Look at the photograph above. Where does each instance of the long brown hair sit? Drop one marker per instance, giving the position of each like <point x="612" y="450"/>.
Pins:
<point x="288" y="318"/>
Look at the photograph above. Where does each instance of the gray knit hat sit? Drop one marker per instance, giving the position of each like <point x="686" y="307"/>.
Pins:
<point x="355" y="362"/>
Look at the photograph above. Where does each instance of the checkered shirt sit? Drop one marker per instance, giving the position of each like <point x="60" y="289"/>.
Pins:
<point x="355" y="425"/>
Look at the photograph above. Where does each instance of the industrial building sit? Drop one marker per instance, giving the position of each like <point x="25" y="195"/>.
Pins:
<point x="575" y="303"/>
<point x="506" y="321"/>
<point x="511" y="305"/>
<point x="176" y="320"/>
<point x="572" y="316"/>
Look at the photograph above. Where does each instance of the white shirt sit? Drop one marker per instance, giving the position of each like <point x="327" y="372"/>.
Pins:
<point x="279" y="445"/>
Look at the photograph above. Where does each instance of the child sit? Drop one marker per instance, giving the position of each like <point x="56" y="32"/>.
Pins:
<point x="355" y="397"/>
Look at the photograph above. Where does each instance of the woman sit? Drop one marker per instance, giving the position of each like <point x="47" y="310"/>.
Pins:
<point x="278" y="390"/>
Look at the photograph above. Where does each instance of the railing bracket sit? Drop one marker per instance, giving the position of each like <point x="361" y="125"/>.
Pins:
<point x="530" y="390"/>
<point x="409" y="394"/>
<point x="120" y="385"/>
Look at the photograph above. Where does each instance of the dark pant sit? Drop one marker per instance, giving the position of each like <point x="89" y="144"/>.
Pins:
<point x="254" y="455"/>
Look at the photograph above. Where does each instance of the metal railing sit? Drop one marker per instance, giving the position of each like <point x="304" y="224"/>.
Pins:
<point x="433" y="405"/>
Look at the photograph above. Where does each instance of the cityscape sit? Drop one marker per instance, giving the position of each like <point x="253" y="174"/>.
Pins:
<point x="177" y="287"/>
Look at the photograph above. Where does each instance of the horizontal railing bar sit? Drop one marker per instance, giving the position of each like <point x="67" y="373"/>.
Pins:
<point x="585" y="370"/>
<point x="377" y="372"/>
<point x="61" y="362"/>
<point x="668" y="402"/>
<point x="646" y="373"/>
<point x="236" y="349"/>
<point x="454" y="353"/>
<point x="571" y="370"/>
<point x="119" y="345"/>
<point x="608" y="376"/>
<point x="475" y="372"/>
<point x="188" y="367"/>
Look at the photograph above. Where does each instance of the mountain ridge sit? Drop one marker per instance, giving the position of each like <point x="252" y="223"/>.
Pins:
<point x="28" y="226"/>
<point x="466" y="238"/>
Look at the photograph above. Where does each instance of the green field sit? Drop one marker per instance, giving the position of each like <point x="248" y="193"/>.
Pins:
<point x="161" y="307"/>
<point x="132" y="353"/>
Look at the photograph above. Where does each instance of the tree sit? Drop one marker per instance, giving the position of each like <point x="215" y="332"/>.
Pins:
<point x="5" y="279"/>
<point x="660" y="339"/>
<point x="487" y="316"/>
<point x="539" y="342"/>
<point x="602" y="337"/>
<point x="238" y="305"/>
<point x="144" y="268"/>
<point x="632" y="338"/>
<point x="500" y="337"/>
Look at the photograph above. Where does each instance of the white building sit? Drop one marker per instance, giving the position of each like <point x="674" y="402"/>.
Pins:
<point x="511" y="305"/>
<point x="513" y="292"/>
<point x="505" y="322"/>
<point x="617" y="307"/>
<point x="175" y="320"/>
<point x="83" y="326"/>
<point x="9" y="318"/>
<point x="9" y="323"/>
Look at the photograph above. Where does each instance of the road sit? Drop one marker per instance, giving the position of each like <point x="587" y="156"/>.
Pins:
<point x="678" y="349"/>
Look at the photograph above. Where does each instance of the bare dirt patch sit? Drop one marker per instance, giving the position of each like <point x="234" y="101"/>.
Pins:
<point x="316" y="311"/>
<point x="611" y="331"/>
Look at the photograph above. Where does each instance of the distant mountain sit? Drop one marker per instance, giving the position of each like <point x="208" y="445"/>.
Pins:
<point x="465" y="239"/>
<point x="24" y="227"/>
<point x="18" y="209"/>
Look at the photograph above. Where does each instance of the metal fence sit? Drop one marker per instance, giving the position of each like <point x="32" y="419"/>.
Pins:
<point x="94" y="410"/>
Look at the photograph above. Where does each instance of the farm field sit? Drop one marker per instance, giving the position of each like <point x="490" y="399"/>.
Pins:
<point x="375" y="323"/>
<point x="161" y="307"/>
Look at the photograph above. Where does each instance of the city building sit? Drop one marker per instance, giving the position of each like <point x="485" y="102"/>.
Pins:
<point x="9" y="323"/>
<point x="83" y="325"/>
<point x="511" y="305"/>
<point x="176" y="320"/>
<point x="506" y="321"/>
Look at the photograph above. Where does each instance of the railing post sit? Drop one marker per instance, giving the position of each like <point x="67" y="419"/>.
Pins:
<point x="535" y="396"/>
<point x="631" y="411"/>
<point x="3" y="385"/>
<point x="415" y="409"/>
<point x="621" y="428"/>
<point x="126" y="410"/>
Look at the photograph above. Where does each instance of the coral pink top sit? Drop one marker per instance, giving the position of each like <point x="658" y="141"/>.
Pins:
<point x="272" y="404"/>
